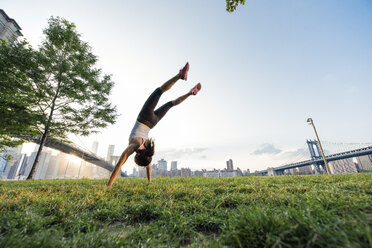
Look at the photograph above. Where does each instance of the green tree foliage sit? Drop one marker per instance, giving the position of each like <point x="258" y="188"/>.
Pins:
<point x="232" y="4"/>
<point x="73" y="93"/>
<point x="18" y="71"/>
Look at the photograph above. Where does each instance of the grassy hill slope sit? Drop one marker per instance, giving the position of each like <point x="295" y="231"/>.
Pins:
<point x="286" y="211"/>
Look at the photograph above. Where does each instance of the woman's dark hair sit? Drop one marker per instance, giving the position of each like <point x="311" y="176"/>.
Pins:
<point x="144" y="157"/>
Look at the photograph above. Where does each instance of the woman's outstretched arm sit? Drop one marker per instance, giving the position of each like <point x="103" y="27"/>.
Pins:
<point x="124" y="156"/>
<point x="148" y="170"/>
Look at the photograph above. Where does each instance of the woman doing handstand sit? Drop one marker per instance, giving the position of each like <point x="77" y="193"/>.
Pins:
<point x="146" y="120"/>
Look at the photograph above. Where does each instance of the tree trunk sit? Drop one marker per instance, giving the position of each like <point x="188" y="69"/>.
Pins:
<point x="45" y="135"/>
<point x="33" y="169"/>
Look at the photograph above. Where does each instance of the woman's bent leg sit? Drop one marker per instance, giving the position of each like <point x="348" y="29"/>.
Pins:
<point x="160" y="112"/>
<point x="146" y="115"/>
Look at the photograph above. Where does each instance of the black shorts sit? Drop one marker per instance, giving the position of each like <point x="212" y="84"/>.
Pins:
<point x="148" y="116"/>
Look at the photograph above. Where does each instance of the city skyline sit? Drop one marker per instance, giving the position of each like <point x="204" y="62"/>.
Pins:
<point x="58" y="165"/>
<point x="265" y="69"/>
<point x="54" y="164"/>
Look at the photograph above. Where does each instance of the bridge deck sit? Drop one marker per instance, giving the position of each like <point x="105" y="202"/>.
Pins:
<point x="329" y="158"/>
<point x="74" y="150"/>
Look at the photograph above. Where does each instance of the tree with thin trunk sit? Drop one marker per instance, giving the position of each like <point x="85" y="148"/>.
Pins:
<point x="73" y="95"/>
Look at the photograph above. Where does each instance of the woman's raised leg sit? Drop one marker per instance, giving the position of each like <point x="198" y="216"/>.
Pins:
<point x="181" y="75"/>
<point x="160" y="112"/>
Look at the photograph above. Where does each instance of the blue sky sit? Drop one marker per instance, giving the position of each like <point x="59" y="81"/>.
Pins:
<point x="264" y="69"/>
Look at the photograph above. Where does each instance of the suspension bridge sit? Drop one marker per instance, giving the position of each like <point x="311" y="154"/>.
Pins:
<point x="73" y="149"/>
<point x="333" y="151"/>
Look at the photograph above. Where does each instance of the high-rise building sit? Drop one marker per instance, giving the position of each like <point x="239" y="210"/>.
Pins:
<point x="135" y="172"/>
<point x="365" y="162"/>
<point x="2" y="165"/>
<point x="95" y="147"/>
<point x="73" y="167"/>
<point x="142" y="171"/>
<point x="110" y="152"/>
<point x="43" y="164"/>
<point x="173" y="165"/>
<point x="15" y="165"/>
<point x="342" y="166"/>
<point x="30" y="162"/>
<point x="9" y="28"/>
<point x="52" y="170"/>
<point x="229" y="165"/>
<point x="86" y="170"/>
<point x="62" y="164"/>
<point x="162" y="164"/>
<point x="185" y="172"/>
<point x="305" y="169"/>
<point x="23" y="166"/>
<point x="293" y="171"/>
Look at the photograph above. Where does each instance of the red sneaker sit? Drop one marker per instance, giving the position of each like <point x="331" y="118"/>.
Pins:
<point x="184" y="71"/>
<point x="196" y="89"/>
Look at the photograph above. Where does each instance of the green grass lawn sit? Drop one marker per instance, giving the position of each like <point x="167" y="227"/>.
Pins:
<point x="285" y="211"/>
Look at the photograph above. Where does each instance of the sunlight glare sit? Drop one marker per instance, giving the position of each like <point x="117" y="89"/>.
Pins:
<point x="73" y="159"/>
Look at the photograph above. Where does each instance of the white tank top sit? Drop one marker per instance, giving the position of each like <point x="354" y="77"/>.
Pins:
<point x="140" y="130"/>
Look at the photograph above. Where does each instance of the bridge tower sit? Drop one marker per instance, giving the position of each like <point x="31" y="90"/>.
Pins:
<point x="315" y="154"/>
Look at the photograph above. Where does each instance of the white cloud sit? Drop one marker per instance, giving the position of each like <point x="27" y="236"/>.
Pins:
<point x="266" y="149"/>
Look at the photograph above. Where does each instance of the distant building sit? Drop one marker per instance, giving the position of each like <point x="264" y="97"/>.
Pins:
<point x="239" y="172"/>
<point x="305" y="170"/>
<point x="292" y="171"/>
<point x="162" y="165"/>
<point x="342" y="166"/>
<point x="9" y="28"/>
<point x="114" y="160"/>
<point x="95" y="147"/>
<point x="135" y="172"/>
<point x="10" y="168"/>
<point x="223" y="173"/>
<point x="198" y="173"/>
<point x="2" y="165"/>
<point x="173" y="165"/>
<point x="229" y="165"/>
<point x="365" y="163"/>
<point x="15" y="165"/>
<point x="214" y="173"/>
<point x="228" y="173"/>
<point x="62" y="165"/>
<point x="142" y="171"/>
<point x="154" y="170"/>
<point x="30" y="162"/>
<point x="185" y="172"/>
<point x="110" y="152"/>
<point x="43" y="164"/>
<point x="175" y="173"/>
